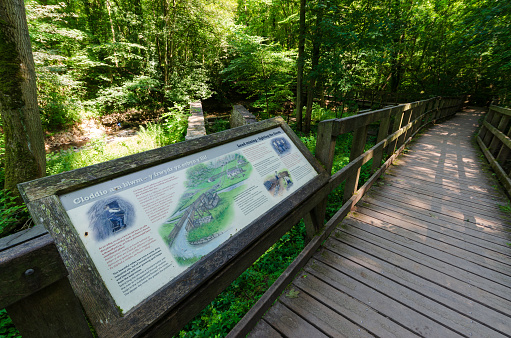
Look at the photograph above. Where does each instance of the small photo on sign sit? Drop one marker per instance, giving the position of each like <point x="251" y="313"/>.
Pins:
<point x="281" y="146"/>
<point x="110" y="216"/>
<point x="278" y="183"/>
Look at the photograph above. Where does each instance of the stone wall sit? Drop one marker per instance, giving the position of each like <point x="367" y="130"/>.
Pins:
<point x="240" y="116"/>
<point x="196" y="126"/>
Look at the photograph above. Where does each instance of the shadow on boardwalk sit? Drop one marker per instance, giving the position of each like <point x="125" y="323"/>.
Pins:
<point x="425" y="253"/>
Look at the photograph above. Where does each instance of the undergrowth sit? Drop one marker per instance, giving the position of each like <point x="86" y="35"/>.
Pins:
<point x="223" y="313"/>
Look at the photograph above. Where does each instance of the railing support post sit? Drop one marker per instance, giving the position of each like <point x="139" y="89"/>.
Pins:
<point x="325" y="148"/>
<point x="357" y="149"/>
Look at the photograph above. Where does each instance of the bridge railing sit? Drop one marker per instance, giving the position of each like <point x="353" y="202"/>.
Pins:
<point x="495" y="142"/>
<point x="33" y="279"/>
<point x="396" y="127"/>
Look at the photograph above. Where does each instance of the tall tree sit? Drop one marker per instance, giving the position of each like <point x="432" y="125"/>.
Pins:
<point x="300" y="63"/>
<point x="24" y="142"/>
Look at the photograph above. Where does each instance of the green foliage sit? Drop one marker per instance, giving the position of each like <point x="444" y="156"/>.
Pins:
<point x="7" y="328"/>
<point x="219" y="317"/>
<point x="261" y="69"/>
<point x="11" y="214"/>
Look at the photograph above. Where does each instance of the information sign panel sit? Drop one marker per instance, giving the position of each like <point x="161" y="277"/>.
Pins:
<point x="143" y="229"/>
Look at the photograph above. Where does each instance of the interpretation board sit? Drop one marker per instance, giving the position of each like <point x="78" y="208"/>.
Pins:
<point x="137" y="240"/>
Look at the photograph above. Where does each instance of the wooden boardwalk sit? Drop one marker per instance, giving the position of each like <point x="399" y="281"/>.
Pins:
<point x="425" y="253"/>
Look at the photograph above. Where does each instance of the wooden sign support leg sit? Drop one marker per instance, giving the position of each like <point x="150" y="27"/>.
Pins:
<point x="52" y="312"/>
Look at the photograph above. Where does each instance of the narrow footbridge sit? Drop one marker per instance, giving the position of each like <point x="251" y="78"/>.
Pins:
<point x="421" y="248"/>
<point x="424" y="253"/>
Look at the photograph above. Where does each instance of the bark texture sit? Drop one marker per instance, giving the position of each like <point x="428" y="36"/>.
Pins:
<point x="24" y="141"/>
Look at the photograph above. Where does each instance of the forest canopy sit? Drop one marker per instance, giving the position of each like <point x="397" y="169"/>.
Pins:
<point x="102" y="56"/>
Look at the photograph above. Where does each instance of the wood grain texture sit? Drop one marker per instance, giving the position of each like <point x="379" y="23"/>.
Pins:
<point x="28" y="267"/>
<point x="174" y="304"/>
<point x="414" y="260"/>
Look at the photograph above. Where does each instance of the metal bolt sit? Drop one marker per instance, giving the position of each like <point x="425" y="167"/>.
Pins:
<point x="29" y="272"/>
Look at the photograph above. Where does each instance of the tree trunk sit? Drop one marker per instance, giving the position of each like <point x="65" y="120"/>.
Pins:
<point x="24" y="142"/>
<point x="299" y="77"/>
<point x="311" y="90"/>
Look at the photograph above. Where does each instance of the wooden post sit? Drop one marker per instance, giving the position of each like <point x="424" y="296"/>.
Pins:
<point x="52" y="312"/>
<point x="34" y="288"/>
<point x="494" y="143"/>
<point x="325" y="149"/>
<point x="383" y="132"/>
<point x="357" y="148"/>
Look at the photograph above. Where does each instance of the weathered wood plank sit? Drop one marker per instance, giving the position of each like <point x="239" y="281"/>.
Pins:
<point x="497" y="235"/>
<point x="264" y="330"/>
<point x="353" y="309"/>
<point x="29" y="267"/>
<point x="52" y="312"/>
<point x="22" y="236"/>
<point x="501" y="174"/>
<point x="434" y="190"/>
<point x="431" y="259"/>
<point x="438" y="241"/>
<point x="323" y="317"/>
<point x="416" y="276"/>
<point x="421" y="297"/>
<point x="409" y="317"/>
<point x="437" y="204"/>
<point x="289" y="324"/>
<point x="499" y="135"/>
<point x="463" y="232"/>
<point x="502" y="110"/>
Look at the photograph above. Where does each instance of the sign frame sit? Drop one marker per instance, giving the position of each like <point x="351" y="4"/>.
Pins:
<point x="160" y="309"/>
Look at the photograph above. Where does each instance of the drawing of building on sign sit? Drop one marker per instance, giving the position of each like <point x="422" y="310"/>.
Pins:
<point x="205" y="210"/>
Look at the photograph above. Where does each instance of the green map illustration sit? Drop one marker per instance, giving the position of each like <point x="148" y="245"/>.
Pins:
<point x="205" y="210"/>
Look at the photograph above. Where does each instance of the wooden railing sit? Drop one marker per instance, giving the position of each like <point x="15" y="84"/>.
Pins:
<point x="495" y="142"/>
<point x="397" y="126"/>
<point x="35" y="290"/>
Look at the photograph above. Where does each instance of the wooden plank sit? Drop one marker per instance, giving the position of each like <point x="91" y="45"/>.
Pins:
<point x="28" y="267"/>
<point x="438" y="204"/>
<point x="289" y="324"/>
<point x="501" y="174"/>
<point x="435" y="190"/>
<point x="504" y="151"/>
<point x="502" y="110"/>
<point x="435" y="257"/>
<point x="460" y="283"/>
<point x="463" y="231"/>
<point x="352" y="123"/>
<point x="494" y="144"/>
<point x="264" y="330"/>
<point x="332" y="323"/>
<point x="489" y="121"/>
<point x="499" y="135"/>
<point x="397" y="252"/>
<point x="497" y="235"/>
<point x="473" y="188"/>
<point x="353" y="309"/>
<point x="388" y="306"/>
<point x="21" y="237"/>
<point x="52" y="312"/>
<point x="435" y="239"/>
<point x="421" y="296"/>
<point x="444" y="289"/>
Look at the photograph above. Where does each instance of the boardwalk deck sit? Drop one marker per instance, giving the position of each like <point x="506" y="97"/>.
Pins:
<point x="425" y="253"/>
